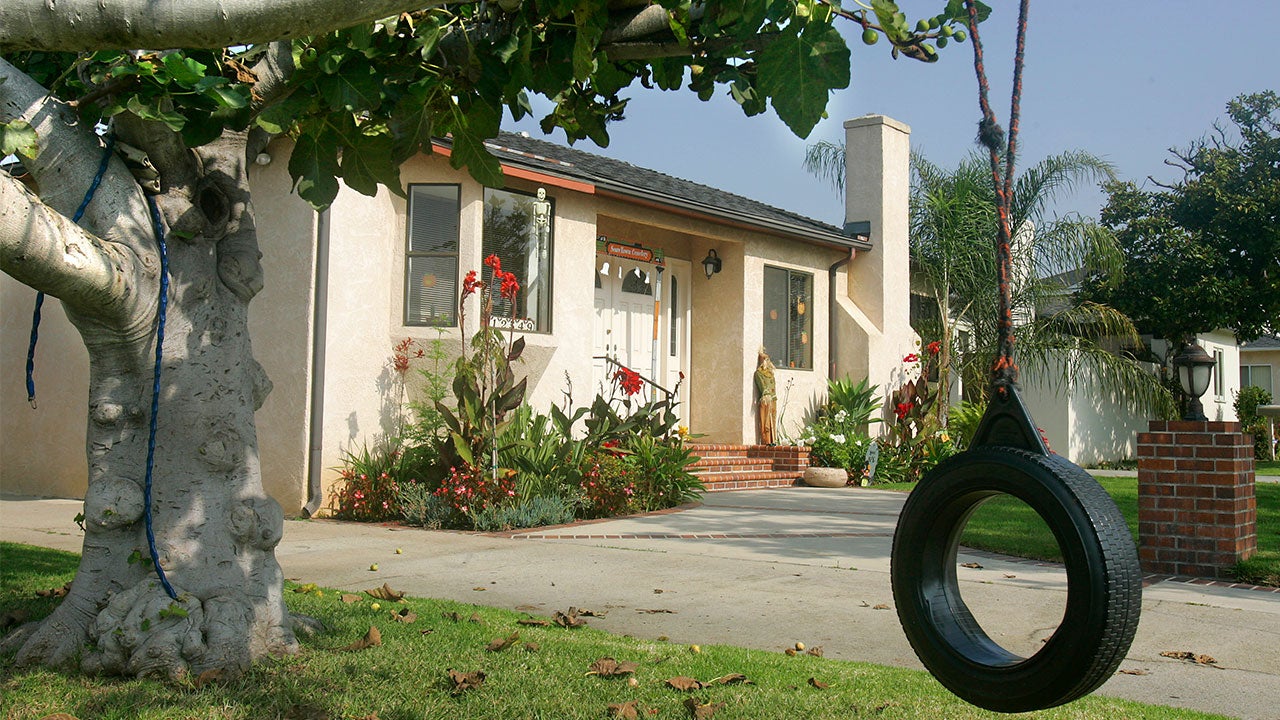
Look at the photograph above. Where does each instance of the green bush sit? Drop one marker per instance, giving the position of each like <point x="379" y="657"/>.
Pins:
<point x="660" y="472"/>
<point x="371" y="478"/>
<point x="1246" y="404"/>
<point x="525" y="513"/>
<point x="420" y="506"/>
<point x="962" y="422"/>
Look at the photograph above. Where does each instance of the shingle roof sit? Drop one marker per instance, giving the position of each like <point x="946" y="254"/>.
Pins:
<point x="632" y="181"/>
<point x="1266" y="342"/>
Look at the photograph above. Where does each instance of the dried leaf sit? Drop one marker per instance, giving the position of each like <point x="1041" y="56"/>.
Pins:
<point x="500" y="644"/>
<point x="684" y="684"/>
<point x="212" y="675"/>
<point x="55" y="592"/>
<point x="475" y="618"/>
<point x="702" y="710"/>
<point x="526" y="608"/>
<point x="305" y="588"/>
<point x="386" y="593"/>
<point x="480" y="588"/>
<point x="625" y="711"/>
<point x="532" y="647"/>
<point x="451" y="616"/>
<point x="569" y="620"/>
<point x="1193" y="657"/>
<point x="656" y="611"/>
<point x="372" y="638"/>
<point x="464" y="681"/>
<point x="975" y="566"/>
<point x="583" y="612"/>
<point x="1134" y="671"/>
<point x="658" y="591"/>
<point x="790" y="652"/>
<point x="815" y="651"/>
<point x="533" y="622"/>
<point x="608" y="667"/>
<point x="730" y="679"/>
<point x="349" y="599"/>
<point x="1009" y="576"/>
<point x="881" y="606"/>
<point x="405" y="616"/>
<point x="818" y="684"/>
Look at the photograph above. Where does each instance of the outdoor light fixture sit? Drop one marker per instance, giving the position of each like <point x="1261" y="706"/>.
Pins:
<point x="1195" y="368"/>
<point x="711" y="263"/>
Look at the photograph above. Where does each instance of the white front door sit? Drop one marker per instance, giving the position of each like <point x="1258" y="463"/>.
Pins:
<point x="624" y="329"/>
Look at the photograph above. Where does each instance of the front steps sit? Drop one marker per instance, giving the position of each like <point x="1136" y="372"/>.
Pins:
<point x="745" y="467"/>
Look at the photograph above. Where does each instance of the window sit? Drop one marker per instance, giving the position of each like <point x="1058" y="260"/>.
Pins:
<point x="431" y="256"/>
<point x="788" y="318"/>
<point x="1256" y="376"/>
<point x="513" y="231"/>
<point x="673" y="324"/>
<point x="1218" y="366"/>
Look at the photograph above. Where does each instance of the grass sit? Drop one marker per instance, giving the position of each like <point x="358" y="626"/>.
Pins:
<point x="1007" y="525"/>
<point x="406" y="676"/>
<point x="1267" y="467"/>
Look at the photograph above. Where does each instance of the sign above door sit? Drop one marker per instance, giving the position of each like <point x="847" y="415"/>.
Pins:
<point x="629" y="251"/>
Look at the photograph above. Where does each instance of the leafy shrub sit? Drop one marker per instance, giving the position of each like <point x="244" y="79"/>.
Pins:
<point x="525" y="513"/>
<point x="660" y="472"/>
<point x="370" y="482"/>
<point x="962" y="422"/>
<point x="858" y="401"/>
<point x="1246" y="404"/>
<point x="607" y="487"/>
<point x="419" y="505"/>
<point x="468" y="489"/>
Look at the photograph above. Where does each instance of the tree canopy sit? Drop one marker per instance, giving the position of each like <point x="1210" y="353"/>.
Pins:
<point x="1204" y="252"/>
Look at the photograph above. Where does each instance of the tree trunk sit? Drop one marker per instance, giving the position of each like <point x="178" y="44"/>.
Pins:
<point x="215" y="529"/>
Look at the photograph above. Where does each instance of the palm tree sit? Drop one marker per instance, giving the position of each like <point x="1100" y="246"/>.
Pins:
<point x="953" y="223"/>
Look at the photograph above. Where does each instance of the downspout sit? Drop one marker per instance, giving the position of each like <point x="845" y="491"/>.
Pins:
<point x="831" y="312"/>
<point x="319" y="322"/>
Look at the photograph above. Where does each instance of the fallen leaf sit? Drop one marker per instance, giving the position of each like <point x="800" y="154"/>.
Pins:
<point x="475" y="618"/>
<point x="583" y="612"/>
<point x="305" y="588"/>
<point x="569" y="620"/>
<point x="730" y="679"/>
<point x="428" y="631"/>
<point x="348" y="598"/>
<point x="500" y="644"/>
<point x="386" y="593"/>
<point x="656" y="611"/>
<point x="532" y="647"/>
<point x="212" y="675"/>
<point x="533" y="622"/>
<point x="1010" y="576"/>
<point x="885" y="706"/>
<point x="480" y="589"/>
<point x="625" y="711"/>
<point x="818" y="684"/>
<point x="464" y="681"/>
<point x="1133" y="672"/>
<point x="864" y="603"/>
<point x="59" y="716"/>
<point x="13" y="618"/>
<point x="814" y="651"/>
<point x="702" y="710"/>
<point x="975" y="566"/>
<point x="790" y="652"/>
<point x="1193" y="657"/>
<point x="658" y="591"/>
<point x="372" y="638"/>
<point x="684" y="684"/>
<point x="55" y="592"/>
<point x="608" y="667"/>
<point x="451" y="616"/>
<point x="405" y="615"/>
<point x="881" y="606"/>
<point x="527" y="608"/>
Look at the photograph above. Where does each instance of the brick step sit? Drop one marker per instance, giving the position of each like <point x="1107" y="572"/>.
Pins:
<point x="743" y="463"/>
<point x="720" y="482"/>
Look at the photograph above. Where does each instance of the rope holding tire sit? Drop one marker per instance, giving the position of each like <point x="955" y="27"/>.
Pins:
<point x="1009" y="456"/>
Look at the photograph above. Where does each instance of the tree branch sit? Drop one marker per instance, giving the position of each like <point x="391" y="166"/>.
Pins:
<point x="42" y="248"/>
<point x="41" y="25"/>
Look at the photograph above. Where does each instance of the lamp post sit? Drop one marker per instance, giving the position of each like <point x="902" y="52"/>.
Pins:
<point x="1195" y="368"/>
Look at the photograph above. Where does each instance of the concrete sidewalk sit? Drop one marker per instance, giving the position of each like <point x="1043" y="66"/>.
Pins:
<point x="764" y="569"/>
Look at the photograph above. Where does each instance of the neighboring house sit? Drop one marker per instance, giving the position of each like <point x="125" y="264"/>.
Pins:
<point x="611" y="264"/>
<point x="1260" y="364"/>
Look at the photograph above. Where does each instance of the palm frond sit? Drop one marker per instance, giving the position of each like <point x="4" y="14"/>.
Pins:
<point x="826" y="161"/>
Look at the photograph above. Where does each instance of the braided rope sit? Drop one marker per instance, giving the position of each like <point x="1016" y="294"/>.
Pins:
<point x="1004" y="371"/>
<point x="158" y="222"/>
<point x="35" y="314"/>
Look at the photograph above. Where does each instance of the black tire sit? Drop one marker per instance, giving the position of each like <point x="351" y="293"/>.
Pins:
<point x="1104" y="593"/>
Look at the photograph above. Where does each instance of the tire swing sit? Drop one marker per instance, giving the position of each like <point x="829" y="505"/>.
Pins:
<point x="1008" y="456"/>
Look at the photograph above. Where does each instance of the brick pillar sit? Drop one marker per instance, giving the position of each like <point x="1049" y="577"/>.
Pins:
<point x="1197" y="513"/>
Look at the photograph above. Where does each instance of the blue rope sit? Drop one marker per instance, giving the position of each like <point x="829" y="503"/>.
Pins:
<point x="155" y="390"/>
<point x="35" y="314"/>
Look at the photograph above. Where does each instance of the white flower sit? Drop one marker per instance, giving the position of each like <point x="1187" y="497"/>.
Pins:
<point x="840" y="416"/>
<point x="838" y="438"/>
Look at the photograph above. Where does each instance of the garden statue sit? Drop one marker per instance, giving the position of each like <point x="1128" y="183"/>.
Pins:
<point x="768" y="402"/>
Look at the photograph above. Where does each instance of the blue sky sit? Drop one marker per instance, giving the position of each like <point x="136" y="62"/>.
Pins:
<point x="1123" y="80"/>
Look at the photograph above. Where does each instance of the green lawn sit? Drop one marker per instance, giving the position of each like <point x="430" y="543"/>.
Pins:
<point x="1006" y="525"/>
<point x="406" y="676"/>
<point x="1267" y="467"/>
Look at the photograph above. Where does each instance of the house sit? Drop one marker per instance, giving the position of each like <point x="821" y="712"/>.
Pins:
<point x="1260" y="364"/>
<point x="611" y="259"/>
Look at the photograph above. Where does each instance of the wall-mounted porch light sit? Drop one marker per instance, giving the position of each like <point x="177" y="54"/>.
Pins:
<point x="711" y="263"/>
<point x="1195" y="368"/>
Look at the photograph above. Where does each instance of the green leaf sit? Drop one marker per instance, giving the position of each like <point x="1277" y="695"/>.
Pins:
<point x="200" y="129"/>
<point x="229" y="97"/>
<point x="367" y="162"/>
<point x="185" y="71"/>
<point x="464" y="450"/>
<point x="314" y="168"/>
<point x="280" y="117"/>
<point x="470" y="130"/>
<point x="17" y="137"/>
<point x="354" y="90"/>
<point x="798" y="72"/>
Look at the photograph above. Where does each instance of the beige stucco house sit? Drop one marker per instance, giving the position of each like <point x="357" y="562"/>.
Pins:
<point x="611" y="260"/>
<point x="1260" y="364"/>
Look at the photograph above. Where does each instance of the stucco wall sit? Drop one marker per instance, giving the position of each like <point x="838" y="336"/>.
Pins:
<point x="1265" y="357"/>
<point x="1083" y="423"/>
<point x="42" y="451"/>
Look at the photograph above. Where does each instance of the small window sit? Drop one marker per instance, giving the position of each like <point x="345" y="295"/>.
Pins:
<point x="521" y="237"/>
<point x="1218" y="367"/>
<point x="788" y="318"/>
<point x="1256" y="376"/>
<point x="431" y="256"/>
<point x="673" y="324"/>
<point x="637" y="282"/>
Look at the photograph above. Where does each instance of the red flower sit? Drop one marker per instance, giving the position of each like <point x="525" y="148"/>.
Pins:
<point x="469" y="283"/>
<point x="902" y="409"/>
<point x="495" y="264"/>
<point x="400" y="363"/>
<point x="509" y="286"/>
<point x="912" y="357"/>
<point x="629" y="380"/>
<point x="935" y="347"/>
